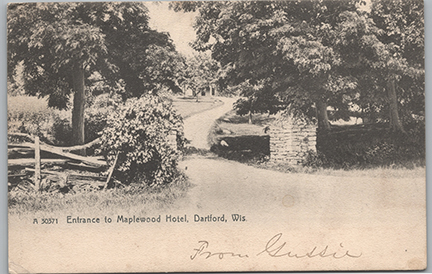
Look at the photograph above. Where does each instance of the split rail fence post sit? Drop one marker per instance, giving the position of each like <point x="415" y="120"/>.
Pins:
<point x="37" y="164"/>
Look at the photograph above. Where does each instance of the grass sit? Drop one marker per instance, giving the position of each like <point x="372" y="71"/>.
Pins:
<point x="188" y="106"/>
<point x="27" y="110"/>
<point x="373" y="172"/>
<point x="234" y="124"/>
<point x="378" y="172"/>
<point x="258" y="119"/>
<point x="131" y="200"/>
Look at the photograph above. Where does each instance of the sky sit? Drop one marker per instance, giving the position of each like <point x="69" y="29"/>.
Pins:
<point x="178" y="24"/>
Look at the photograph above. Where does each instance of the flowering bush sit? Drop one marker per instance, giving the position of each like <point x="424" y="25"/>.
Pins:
<point x="146" y="135"/>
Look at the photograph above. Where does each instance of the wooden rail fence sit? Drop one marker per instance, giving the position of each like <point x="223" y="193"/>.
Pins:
<point x="19" y="153"/>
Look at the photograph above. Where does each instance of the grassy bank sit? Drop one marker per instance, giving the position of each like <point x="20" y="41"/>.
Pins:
<point x="232" y="124"/>
<point x="127" y="200"/>
<point x="188" y="106"/>
<point x="133" y="199"/>
<point x="373" y="172"/>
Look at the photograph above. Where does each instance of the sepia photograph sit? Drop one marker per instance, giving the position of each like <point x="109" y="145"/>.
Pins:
<point x="216" y="136"/>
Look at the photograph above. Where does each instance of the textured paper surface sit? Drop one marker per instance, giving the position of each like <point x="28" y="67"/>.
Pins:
<point x="285" y="222"/>
<point x="368" y="217"/>
<point x="383" y="226"/>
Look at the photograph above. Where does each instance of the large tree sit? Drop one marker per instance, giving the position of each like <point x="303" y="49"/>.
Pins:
<point x="59" y="45"/>
<point x="400" y="57"/>
<point x="282" y="49"/>
<point x="308" y="55"/>
<point x="55" y="48"/>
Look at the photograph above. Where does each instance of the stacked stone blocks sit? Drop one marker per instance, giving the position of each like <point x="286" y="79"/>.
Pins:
<point x="290" y="141"/>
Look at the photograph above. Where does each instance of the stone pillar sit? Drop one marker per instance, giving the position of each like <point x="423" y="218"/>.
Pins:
<point x="290" y="141"/>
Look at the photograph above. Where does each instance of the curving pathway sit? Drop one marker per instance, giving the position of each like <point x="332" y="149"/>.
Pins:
<point x="377" y="217"/>
<point x="223" y="186"/>
<point x="197" y="127"/>
<point x="228" y="186"/>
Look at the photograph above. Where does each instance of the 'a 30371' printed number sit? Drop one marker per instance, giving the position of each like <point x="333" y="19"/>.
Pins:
<point x="46" y="221"/>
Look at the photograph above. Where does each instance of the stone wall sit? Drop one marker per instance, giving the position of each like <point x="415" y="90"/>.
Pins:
<point x="290" y="140"/>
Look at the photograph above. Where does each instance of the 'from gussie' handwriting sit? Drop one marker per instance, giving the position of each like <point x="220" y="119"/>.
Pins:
<point x="202" y="251"/>
<point x="276" y="248"/>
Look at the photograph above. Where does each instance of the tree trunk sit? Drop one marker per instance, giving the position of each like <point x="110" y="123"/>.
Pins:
<point x="395" y="123"/>
<point x="250" y="111"/>
<point x="78" y="107"/>
<point x="322" y="117"/>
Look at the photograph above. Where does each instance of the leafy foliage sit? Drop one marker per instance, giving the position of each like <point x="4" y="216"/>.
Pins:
<point x="61" y="48"/>
<point x="50" y="40"/>
<point x="367" y="145"/>
<point x="308" y="55"/>
<point x="201" y="72"/>
<point x="147" y="135"/>
<point x="143" y="58"/>
<point x="163" y="69"/>
<point x="257" y="99"/>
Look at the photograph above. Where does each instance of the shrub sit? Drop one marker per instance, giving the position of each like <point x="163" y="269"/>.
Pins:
<point x="147" y="136"/>
<point x="314" y="159"/>
<point x="369" y="145"/>
<point x="62" y="131"/>
<point x="97" y="113"/>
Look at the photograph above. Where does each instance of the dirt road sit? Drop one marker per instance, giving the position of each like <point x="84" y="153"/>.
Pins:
<point x="369" y="216"/>
<point x="197" y="127"/>
<point x="222" y="185"/>
<point x="238" y="209"/>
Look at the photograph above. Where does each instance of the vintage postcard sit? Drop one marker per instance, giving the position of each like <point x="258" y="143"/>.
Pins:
<point x="213" y="136"/>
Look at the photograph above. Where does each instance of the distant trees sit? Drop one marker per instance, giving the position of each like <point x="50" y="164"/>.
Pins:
<point x="201" y="72"/>
<point x="305" y="56"/>
<point x="60" y="45"/>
